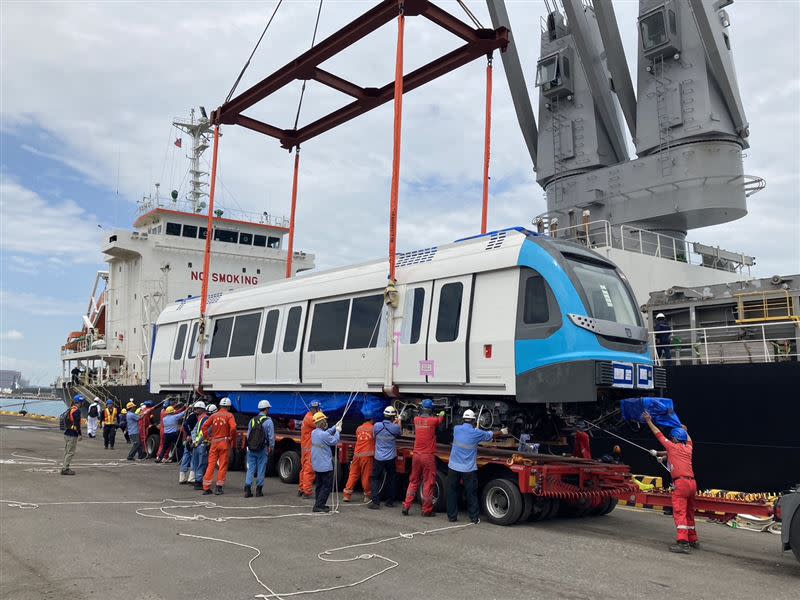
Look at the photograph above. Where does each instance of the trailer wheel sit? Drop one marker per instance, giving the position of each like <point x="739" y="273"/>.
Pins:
<point x="151" y="445"/>
<point x="794" y="535"/>
<point x="612" y="504"/>
<point x="554" y="504"/>
<point x="527" y="507"/>
<point x="575" y="508"/>
<point x="289" y="466"/>
<point x="439" y="494"/>
<point x="540" y="508"/>
<point x="502" y="502"/>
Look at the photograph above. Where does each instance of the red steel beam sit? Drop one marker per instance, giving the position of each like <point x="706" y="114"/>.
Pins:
<point x="337" y="83"/>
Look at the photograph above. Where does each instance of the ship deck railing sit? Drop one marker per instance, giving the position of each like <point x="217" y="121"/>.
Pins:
<point x="237" y="214"/>
<point x="604" y="234"/>
<point x="766" y="342"/>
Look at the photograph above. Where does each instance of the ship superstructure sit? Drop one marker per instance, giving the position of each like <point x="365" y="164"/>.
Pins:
<point x="160" y="261"/>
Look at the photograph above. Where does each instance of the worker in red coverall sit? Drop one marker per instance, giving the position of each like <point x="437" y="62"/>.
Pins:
<point x="306" y="468"/>
<point x="679" y="459"/>
<point x="220" y="428"/>
<point x="423" y="461"/>
<point x="363" y="459"/>
<point x="583" y="446"/>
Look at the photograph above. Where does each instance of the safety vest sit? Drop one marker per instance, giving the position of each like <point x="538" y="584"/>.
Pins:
<point x="74" y="419"/>
<point x="110" y="416"/>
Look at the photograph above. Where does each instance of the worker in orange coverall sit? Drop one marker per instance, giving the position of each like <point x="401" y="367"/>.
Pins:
<point x="220" y="428"/>
<point x="679" y="459"/>
<point x="423" y="461"/>
<point x="306" y="469"/>
<point x="363" y="459"/>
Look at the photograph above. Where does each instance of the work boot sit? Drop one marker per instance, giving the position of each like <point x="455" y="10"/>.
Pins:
<point x="219" y="491"/>
<point x="374" y="506"/>
<point x="429" y="514"/>
<point x="67" y="472"/>
<point x="190" y="478"/>
<point x="300" y="493"/>
<point x="259" y="491"/>
<point x="248" y="493"/>
<point x="198" y="485"/>
<point x="405" y="512"/>
<point x="367" y="499"/>
<point x="158" y="460"/>
<point x="680" y="548"/>
<point x="695" y="545"/>
<point x="182" y="478"/>
<point x="207" y="492"/>
<point x="307" y="496"/>
<point x="346" y="497"/>
<point x="323" y="509"/>
<point x="389" y="504"/>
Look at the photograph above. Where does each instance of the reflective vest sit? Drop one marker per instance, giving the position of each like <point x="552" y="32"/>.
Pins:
<point x="110" y="416"/>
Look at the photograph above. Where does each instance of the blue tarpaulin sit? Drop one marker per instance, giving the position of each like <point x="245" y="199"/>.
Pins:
<point x="294" y="405"/>
<point x="660" y="409"/>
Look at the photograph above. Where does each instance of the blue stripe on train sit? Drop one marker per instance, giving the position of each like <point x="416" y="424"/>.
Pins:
<point x="294" y="405"/>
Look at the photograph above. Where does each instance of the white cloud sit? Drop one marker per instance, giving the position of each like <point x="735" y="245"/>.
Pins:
<point x="43" y="306"/>
<point x="12" y="335"/>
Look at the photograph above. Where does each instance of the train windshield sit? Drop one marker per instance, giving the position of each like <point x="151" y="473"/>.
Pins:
<point x="608" y="296"/>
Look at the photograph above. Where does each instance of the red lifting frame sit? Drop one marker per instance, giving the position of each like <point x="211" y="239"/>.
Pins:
<point x="479" y="42"/>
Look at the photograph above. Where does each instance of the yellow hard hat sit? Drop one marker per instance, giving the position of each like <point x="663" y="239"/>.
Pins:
<point x="124" y="412"/>
<point x="319" y="416"/>
<point x="130" y="405"/>
<point x="170" y="410"/>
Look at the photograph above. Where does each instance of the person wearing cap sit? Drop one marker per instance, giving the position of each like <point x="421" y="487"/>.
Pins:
<point x="110" y="417"/>
<point x="133" y="417"/>
<point x="323" y="439"/>
<point x="386" y="433"/>
<point x="185" y="474"/>
<point x="72" y="433"/>
<point x="306" y="468"/>
<point x="220" y="430"/>
<point x="663" y="337"/>
<point x="423" y="461"/>
<point x="260" y="442"/>
<point x="171" y="422"/>
<point x="363" y="459"/>
<point x="200" y="452"/>
<point x="679" y="462"/>
<point x="463" y="466"/>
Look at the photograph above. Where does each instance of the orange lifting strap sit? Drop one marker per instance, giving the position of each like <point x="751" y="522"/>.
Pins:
<point x="292" y="214"/>
<point x="487" y="145"/>
<point x="398" y="122"/>
<point x="210" y="225"/>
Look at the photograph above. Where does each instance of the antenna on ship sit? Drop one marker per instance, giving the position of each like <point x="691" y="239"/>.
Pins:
<point x="198" y="130"/>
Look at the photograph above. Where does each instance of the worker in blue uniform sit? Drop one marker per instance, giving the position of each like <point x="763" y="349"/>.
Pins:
<point x="385" y="433"/>
<point x="323" y="440"/>
<point x="260" y="442"/>
<point x="463" y="466"/>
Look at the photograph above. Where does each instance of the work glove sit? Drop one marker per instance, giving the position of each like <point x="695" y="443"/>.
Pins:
<point x="504" y="431"/>
<point x="653" y="453"/>
<point x="441" y="413"/>
<point x="339" y="427"/>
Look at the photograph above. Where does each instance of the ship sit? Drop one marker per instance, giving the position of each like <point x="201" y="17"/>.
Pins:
<point x="158" y="262"/>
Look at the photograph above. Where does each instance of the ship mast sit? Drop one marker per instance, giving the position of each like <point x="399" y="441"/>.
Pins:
<point x="199" y="131"/>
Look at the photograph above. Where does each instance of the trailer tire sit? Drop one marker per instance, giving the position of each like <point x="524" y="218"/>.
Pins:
<point x="151" y="445"/>
<point x="794" y="534"/>
<point x="527" y="507"/>
<point x="575" y="509"/>
<point x="612" y="504"/>
<point x="289" y="466"/>
<point x="439" y="493"/>
<point x="540" y="508"/>
<point x="502" y="502"/>
<point x="553" y="508"/>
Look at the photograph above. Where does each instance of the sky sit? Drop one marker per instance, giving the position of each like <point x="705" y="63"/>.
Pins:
<point x="88" y="92"/>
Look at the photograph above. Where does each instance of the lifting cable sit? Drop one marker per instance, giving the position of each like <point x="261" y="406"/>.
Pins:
<point x="247" y="64"/>
<point x="293" y="213"/>
<point x="470" y="14"/>
<point x="398" y="122"/>
<point x="624" y="440"/>
<point x="487" y="144"/>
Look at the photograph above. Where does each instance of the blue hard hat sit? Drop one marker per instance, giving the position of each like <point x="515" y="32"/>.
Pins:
<point x="427" y="404"/>
<point x="109" y="402"/>
<point x="147" y="403"/>
<point x="78" y="398"/>
<point x="679" y="434"/>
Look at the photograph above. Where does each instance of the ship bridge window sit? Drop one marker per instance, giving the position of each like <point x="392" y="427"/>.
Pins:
<point x="547" y="71"/>
<point x="365" y="318"/>
<point x="259" y="240"/>
<point x="246" y="238"/>
<point x="274" y="242"/>
<point x="329" y="326"/>
<point x="202" y="233"/>
<point x="173" y="228"/>
<point x="604" y="290"/>
<point x="270" y="332"/>
<point x="245" y="335"/>
<point x="449" y="317"/>
<point x="180" y="343"/>
<point x="221" y="338"/>
<point x="190" y="231"/>
<point x="226" y="235"/>
<point x="654" y="30"/>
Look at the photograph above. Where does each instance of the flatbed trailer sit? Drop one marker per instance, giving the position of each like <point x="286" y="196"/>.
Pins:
<point x="718" y="509"/>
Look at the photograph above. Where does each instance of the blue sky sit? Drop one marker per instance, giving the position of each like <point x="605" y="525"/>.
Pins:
<point x="88" y="92"/>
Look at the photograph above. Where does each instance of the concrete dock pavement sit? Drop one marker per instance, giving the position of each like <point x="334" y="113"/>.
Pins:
<point x="113" y="531"/>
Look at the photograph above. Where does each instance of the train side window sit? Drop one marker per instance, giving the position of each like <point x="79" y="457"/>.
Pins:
<point x="416" y="315"/>
<point x="365" y="318"/>
<point x="329" y="326"/>
<point x="193" y="343"/>
<point x="292" y="329"/>
<point x="220" y="339"/>
<point x="449" y="317"/>
<point x="270" y="332"/>
<point x="180" y="342"/>
<point x="245" y="335"/>
<point x="535" y="309"/>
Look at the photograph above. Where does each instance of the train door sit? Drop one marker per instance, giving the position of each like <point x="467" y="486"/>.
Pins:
<point x="267" y="354"/>
<point x="290" y="343"/>
<point x="177" y="371"/>
<point x="448" y="331"/>
<point x="410" y="356"/>
<point x="162" y="353"/>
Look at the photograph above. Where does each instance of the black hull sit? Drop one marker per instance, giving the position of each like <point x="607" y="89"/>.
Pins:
<point x="744" y="420"/>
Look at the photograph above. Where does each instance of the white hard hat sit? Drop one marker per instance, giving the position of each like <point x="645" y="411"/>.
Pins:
<point x="225" y="402"/>
<point x="211" y="408"/>
<point x="390" y="411"/>
<point x="661" y="316"/>
<point x="264" y="404"/>
<point x="200" y="404"/>
<point x="96" y="399"/>
<point x="468" y="415"/>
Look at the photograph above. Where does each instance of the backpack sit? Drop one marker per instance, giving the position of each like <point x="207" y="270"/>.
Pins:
<point x="257" y="439"/>
<point x="93" y="411"/>
<point x="62" y="420"/>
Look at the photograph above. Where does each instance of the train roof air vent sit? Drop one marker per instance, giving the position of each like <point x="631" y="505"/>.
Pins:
<point x="415" y="257"/>
<point x="496" y="240"/>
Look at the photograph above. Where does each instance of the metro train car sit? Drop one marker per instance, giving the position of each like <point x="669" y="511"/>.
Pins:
<point x="516" y="325"/>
